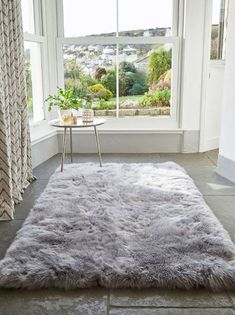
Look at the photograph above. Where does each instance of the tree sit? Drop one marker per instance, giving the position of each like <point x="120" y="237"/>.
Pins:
<point x="72" y="70"/>
<point x="99" y="72"/>
<point x="127" y="67"/>
<point x="139" y="84"/>
<point x="159" y="62"/>
<point x="109" y="81"/>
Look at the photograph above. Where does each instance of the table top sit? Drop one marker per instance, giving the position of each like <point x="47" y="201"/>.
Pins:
<point x="80" y="123"/>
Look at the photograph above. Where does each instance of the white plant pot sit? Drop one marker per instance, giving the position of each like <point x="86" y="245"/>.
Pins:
<point x="87" y="115"/>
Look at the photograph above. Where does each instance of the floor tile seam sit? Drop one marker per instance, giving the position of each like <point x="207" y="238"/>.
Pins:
<point x="169" y="307"/>
<point x="108" y="302"/>
<point x="220" y="195"/>
<point x="231" y="301"/>
<point x="211" y="159"/>
<point x="21" y="219"/>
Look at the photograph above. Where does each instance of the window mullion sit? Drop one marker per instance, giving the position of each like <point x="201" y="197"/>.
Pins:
<point x="37" y="17"/>
<point x="175" y="17"/>
<point x="117" y="80"/>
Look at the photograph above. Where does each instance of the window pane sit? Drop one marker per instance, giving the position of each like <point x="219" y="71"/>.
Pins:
<point x="28" y="16"/>
<point x="85" y="18"/>
<point x="148" y="18"/>
<point x="144" y="77"/>
<point x="34" y="81"/>
<point x="145" y="80"/>
<point x="91" y="69"/>
<point x="218" y="29"/>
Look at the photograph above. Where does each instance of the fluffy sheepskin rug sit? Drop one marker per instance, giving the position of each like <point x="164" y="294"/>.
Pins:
<point x="123" y="225"/>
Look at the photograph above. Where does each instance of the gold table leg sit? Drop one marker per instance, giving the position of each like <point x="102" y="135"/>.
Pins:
<point x="98" y="145"/>
<point x="63" y="149"/>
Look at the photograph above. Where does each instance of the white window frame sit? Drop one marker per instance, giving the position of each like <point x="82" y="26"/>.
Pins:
<point x="220" y="59"/>
<point x="160" y="122"/>
<point x="39" y="37"/>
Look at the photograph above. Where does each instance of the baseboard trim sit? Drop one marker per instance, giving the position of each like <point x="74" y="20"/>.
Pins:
<point x="116" y="141"/>
<point x="44" y="148"/>
<point x="126" y="132"/>
<point x="226" y="168"/>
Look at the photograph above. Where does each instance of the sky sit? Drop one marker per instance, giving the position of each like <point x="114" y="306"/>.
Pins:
<point x="87" y="17"/>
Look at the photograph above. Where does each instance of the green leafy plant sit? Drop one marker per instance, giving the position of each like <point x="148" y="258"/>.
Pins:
<point x="163" y="96"/>
<point x="64" y="99"/>
<point x="127" y="67"/>
<point x="159" y="97"/>
<point x="104" y="105"/>
<point x="100" y="92"/>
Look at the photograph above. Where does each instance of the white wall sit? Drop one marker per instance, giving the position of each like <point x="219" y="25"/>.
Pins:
<point x="126" y="142"/>
<point x="226" y="162"/>
<point x="193" y="48"/>
<point x="44" y="149"/>
<point x="211" y="122"/>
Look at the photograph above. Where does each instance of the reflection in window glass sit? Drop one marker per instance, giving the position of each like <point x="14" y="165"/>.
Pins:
<point x="218" y="29"/>
<point x="28" y="16"/>
<point x="33" y="71"/>
<point x="145" y="18"/>
<point x="84" y="18"/>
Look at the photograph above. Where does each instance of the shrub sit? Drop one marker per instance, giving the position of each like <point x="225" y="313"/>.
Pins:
<point x="159" y="63"/>
<point x="163" y="96"/>
<point x="100" y="92"/>
<point x="125" y="83"/>
<point x="87" y="80"/>
<point x="138" y="83"/>
<point x="160" y="85"/>
<point x="81" y="91"/>
<point x="102" y="104"/>
<point x="109" y="81"/>
<point x="159" y="97"/>
<point x="147" y="100"/>
<point x="166" y="76"/>
<point x="137" y="89"/>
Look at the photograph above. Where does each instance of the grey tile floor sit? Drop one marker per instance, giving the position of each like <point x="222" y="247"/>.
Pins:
<point x="218" y="192"/>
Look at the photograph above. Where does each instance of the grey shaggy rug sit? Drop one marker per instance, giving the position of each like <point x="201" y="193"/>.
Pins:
<point x="123" y="225"/>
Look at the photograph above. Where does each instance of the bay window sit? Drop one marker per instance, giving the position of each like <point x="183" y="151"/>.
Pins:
<point x="125" y="52"/>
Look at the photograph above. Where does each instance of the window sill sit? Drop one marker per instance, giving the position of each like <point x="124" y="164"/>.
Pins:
<point x="40" y="131"/>
<point x="126" y="125"/>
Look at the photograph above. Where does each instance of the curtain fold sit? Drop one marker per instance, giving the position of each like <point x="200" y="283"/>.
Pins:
<point x="15" y="148"/>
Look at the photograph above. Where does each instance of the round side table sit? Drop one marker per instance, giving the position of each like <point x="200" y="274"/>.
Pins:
<point x="80" y="124"/>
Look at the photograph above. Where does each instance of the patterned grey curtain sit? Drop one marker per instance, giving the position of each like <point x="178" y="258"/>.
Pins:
<point x="15" y="154"/>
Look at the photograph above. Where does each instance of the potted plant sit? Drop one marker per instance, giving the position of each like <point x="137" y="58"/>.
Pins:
<point x="65" y="101"/>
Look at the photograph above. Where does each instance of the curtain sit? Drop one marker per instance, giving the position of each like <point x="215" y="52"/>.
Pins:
<point x="15" y="149"/>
